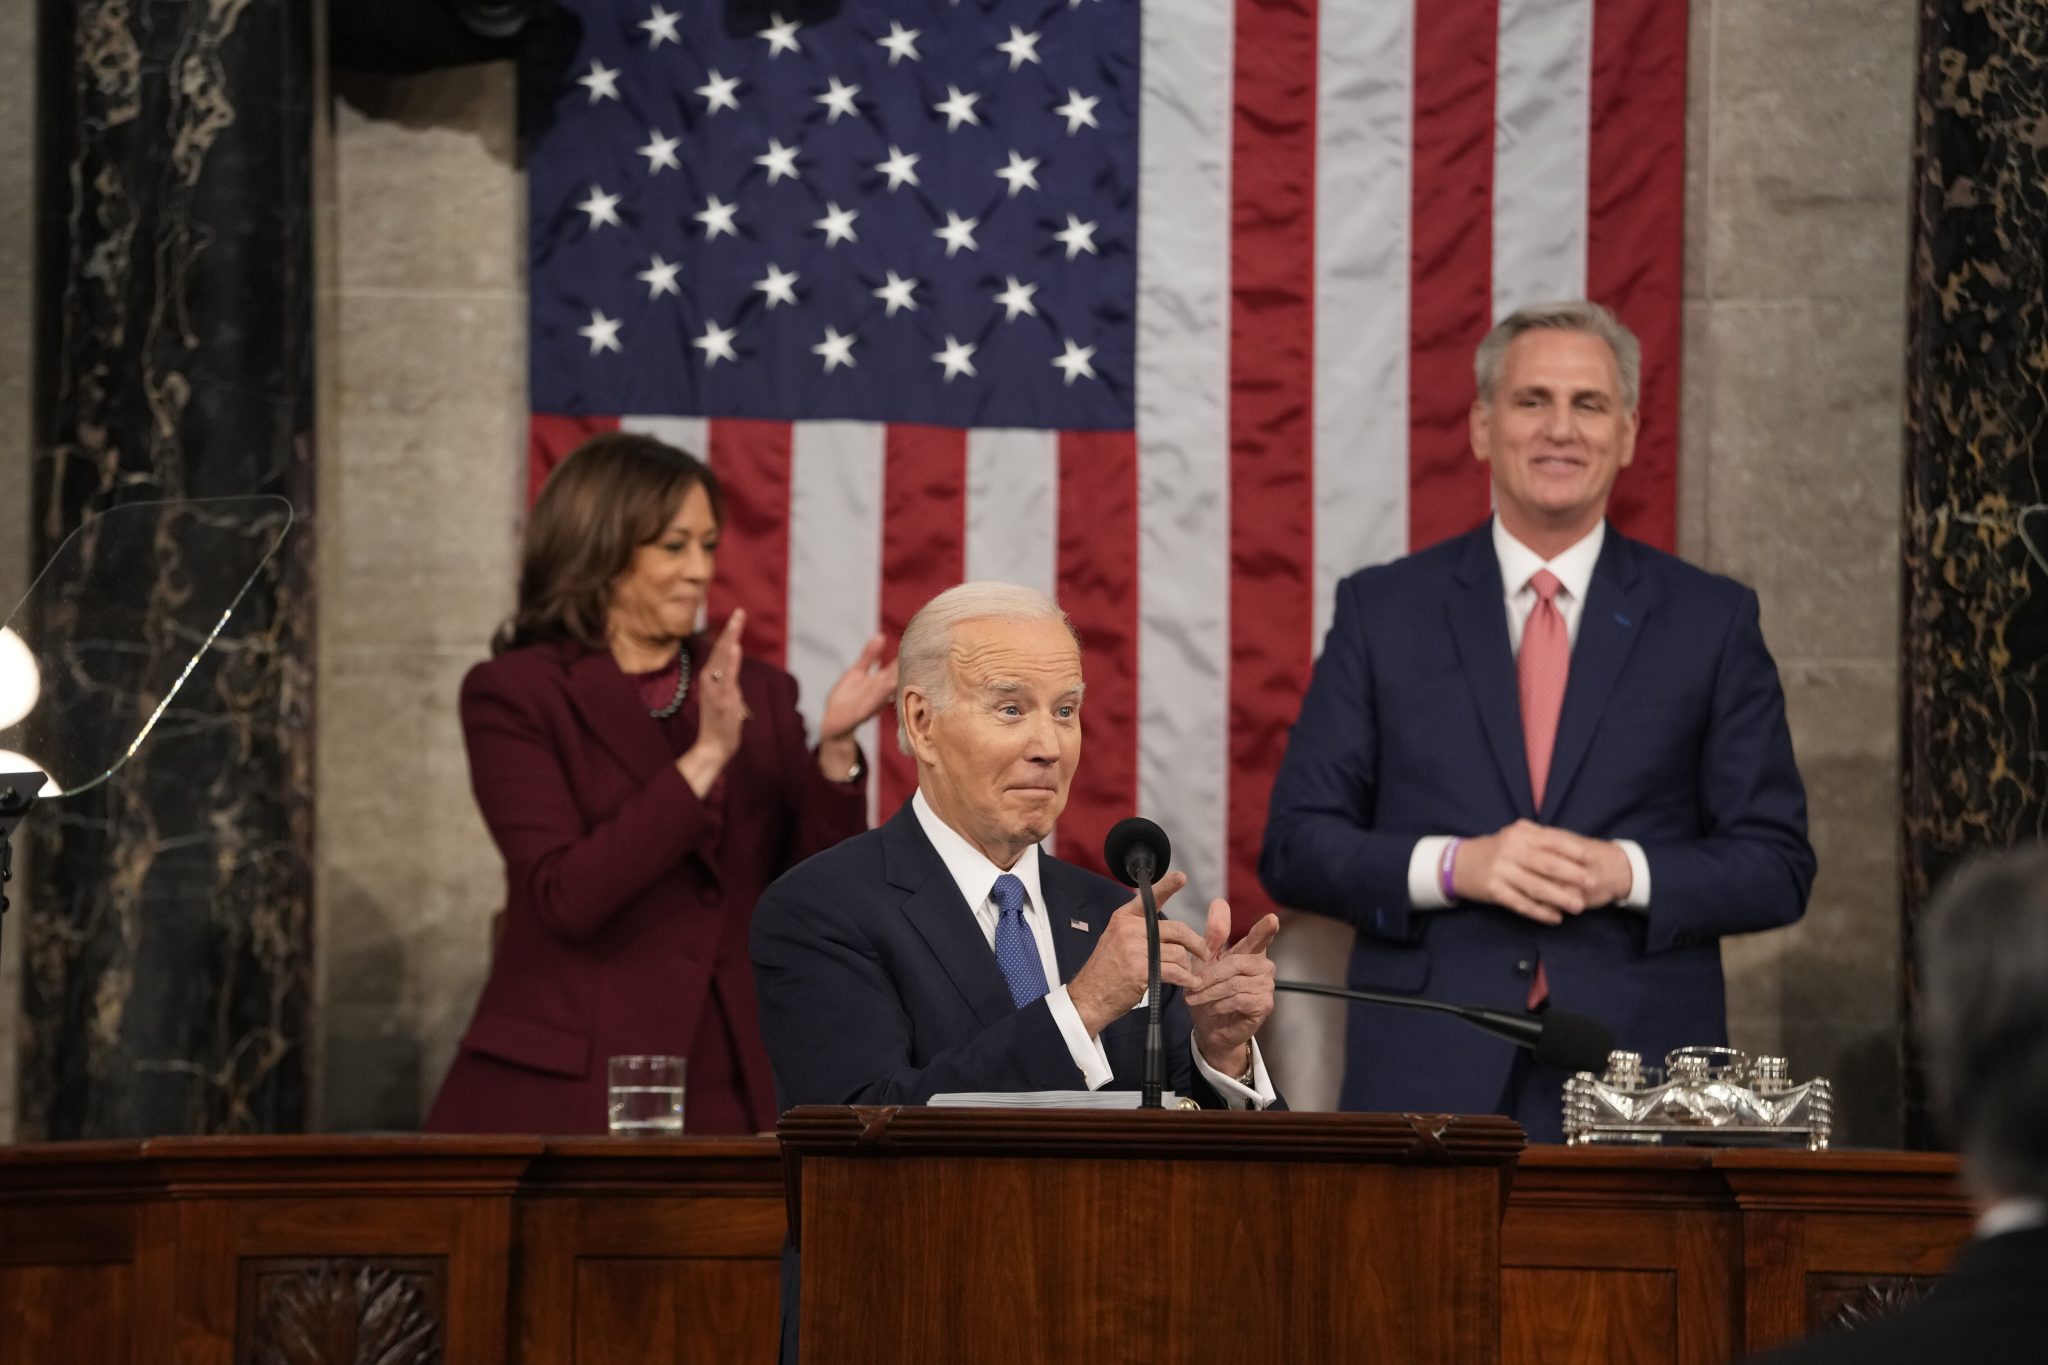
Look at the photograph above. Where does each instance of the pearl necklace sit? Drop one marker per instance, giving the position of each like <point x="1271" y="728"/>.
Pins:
<point x="682" y="689"/>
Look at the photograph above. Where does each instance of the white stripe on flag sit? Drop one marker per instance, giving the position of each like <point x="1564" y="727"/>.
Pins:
<point x="1013" y="507"/>
<point x="1013" y="514"/>
<point x="684" y="433"/>
<point x="1365" y="134"/>
<point x="835" y="565"/>
<point x="1364" y="151"/>
<point x="1183" y="451"/>
<point x="1542" y="136"/>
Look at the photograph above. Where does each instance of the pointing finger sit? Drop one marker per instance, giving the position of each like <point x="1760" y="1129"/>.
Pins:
<point x="1218" y="933"/>
<point x="1260" y="936"/>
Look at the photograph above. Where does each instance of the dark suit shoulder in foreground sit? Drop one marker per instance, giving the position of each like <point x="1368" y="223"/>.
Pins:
<point x="1985" y="1311"/>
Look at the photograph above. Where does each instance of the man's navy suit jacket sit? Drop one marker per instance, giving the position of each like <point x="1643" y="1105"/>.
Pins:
<point x="877" y="985"/>
<point x="1672" y="734"/>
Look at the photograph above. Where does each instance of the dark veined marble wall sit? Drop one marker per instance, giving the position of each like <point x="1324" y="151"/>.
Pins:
<point x="1975" y="638"/>
<point x="167" y="939"/>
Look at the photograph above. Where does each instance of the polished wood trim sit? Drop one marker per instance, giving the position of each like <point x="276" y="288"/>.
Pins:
<point x="1146" y="1134"/>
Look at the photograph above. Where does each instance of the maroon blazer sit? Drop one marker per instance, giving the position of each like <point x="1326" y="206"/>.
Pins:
<point x="622" y="886"/>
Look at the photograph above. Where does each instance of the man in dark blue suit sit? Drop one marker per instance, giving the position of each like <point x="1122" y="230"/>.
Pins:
<point x="1540" y="762"/>
<point x="946" y="952"/>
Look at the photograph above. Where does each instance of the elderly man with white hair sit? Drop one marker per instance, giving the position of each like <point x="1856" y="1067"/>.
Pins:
<point x="945" y="951"/>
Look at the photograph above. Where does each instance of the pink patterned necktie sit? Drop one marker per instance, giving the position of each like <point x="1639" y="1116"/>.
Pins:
<point x="1541" y="668"/>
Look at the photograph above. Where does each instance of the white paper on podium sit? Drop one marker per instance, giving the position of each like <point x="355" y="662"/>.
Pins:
<point x="1043" y="1099"/>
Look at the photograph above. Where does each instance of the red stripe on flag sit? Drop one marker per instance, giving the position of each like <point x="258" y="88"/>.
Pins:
<point x="1451" y="260"/>
<point x="1635" y="233"/>
<point x="924" y="551"/>
<point x="1098" y="586"/>
<point x="549" y="438"/>
<point x="751" y="459"/>
<point x="1272" y="437"/>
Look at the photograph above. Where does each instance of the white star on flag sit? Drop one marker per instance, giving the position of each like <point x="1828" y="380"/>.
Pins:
<point x="603" y="208"/>
<point x="837" y="224"/>
<point x="1078" y="236"/>
<point x="957" y="358"/>
<point x="716" y="344"/>
<point x="957" y="233"/>
<point x="660" y="278"/>
<point x="661" y="28"/>
<point x="898" y="167"/>
<point x="901" y="42"/>
<point x="896" y="294"/>
<point x="661" y="152"/>
<point x="836" y="349"/>
<point x="601" y="81"/>
<point x="1016" y="298"/>
<point x="1077" y="111"/>
<point x="603" y="333"/>
<point x="779" y="161"/>
<point x="781" y="35"/>
<point x="958" y="108"/>
<point x="1019" y="173"/>
<point x="1074" y="362"/>
<point x="717" y="91"/>
<point x="839" y="100"/>
<point x="1022" y="47"/>
<point x="779" y="285"/>
<point x="716" y="218"/>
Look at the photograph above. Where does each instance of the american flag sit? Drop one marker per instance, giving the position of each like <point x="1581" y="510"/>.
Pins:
<point x="1166" y="309"/>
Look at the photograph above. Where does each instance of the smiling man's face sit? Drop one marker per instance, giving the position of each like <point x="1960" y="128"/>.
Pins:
<point x="996" y="761"/>
<point x="1556" y="433"/>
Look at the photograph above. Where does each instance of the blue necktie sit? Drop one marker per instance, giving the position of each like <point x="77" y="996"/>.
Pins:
<point x="1016" y="949"/>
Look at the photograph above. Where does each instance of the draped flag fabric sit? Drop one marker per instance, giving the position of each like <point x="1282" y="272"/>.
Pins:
<point x="1166" y="309"/>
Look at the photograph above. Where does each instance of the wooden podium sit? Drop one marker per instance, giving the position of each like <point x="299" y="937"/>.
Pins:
<point x="1105" y="1236"/>
<point x="1336" y="1235"/>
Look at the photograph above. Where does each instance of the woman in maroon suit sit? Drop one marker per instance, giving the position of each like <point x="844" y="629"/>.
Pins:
<point x="644" y="785"/>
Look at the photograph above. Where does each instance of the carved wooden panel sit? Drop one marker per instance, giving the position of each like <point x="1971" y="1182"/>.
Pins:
<point x="340" y="1310"/>
<point x="1840" y="1302"/>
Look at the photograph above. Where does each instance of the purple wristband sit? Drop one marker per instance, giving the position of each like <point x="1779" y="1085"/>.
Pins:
<point x="1444" y="867"/>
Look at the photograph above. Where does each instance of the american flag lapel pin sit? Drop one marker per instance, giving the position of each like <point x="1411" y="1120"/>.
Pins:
<point x="1080" y="924"/>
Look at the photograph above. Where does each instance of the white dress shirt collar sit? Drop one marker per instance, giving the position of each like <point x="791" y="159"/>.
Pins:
<point x="1573" y="567"/>
<point x="2012" y="1215"/>
<point x="970" y="868"/>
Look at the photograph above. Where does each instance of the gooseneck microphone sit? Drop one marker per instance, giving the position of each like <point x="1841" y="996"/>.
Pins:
<point x="1558" y="1038"/>
<point x="1136" y="853"/>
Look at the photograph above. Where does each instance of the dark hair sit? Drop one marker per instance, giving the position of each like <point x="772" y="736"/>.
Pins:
<point x="1984" y="1016"/>
<point x="609" y="496"/>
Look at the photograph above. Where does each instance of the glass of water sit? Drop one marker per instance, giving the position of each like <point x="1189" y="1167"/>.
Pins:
<point x="644" y="1095"/>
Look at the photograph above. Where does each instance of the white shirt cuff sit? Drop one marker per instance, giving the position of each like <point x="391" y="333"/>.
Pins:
<point x="1425" y="874"/>
<point x="1257" y="1095"/>
<point x="1087" y="1052"/>
<point x="1638" y="897"/>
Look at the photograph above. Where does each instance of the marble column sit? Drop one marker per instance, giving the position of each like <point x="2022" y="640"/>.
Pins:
<point x="168" y="927"/>
<point x="1976" y="527"/>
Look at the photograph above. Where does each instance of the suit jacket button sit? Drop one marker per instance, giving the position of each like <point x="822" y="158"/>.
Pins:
<point x="1524" y="967"/>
